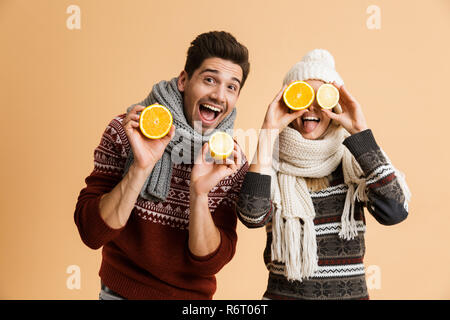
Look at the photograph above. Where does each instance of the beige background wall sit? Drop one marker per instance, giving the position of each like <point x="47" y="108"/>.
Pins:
<point x="59" y="88"/>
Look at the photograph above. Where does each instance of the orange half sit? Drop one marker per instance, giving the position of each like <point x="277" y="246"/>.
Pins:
<point x="155" y="121"/>
<point x="298" y="95"/>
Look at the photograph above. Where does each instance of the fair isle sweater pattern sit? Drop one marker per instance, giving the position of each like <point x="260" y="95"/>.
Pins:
<point x="341" y="272"/>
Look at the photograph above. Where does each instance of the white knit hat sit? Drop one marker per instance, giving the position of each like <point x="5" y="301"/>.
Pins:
<point x="317" y="64"/>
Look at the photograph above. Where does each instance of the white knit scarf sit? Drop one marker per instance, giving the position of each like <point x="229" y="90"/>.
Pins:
<point x="295" y="244"/>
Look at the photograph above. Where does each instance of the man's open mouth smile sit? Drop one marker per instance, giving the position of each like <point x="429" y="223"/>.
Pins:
<point x="209" y="112"/>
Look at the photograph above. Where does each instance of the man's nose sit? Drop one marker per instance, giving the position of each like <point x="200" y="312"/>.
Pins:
<point x="219" y="94"/>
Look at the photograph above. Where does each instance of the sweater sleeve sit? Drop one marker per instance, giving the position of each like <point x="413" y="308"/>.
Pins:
<point x="109" y="161"/>
<point x="254" y="207"/>
<point x="224" y="217"/>
<point x="386" y="200"/>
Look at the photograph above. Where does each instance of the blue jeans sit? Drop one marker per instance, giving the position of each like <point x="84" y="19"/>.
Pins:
<point x="107" y="294"/>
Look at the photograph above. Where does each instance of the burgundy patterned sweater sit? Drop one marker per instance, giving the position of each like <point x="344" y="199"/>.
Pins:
<point x="149" y="257"/>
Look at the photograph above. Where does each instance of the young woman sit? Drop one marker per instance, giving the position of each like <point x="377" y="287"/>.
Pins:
<point x="310" y="188"/>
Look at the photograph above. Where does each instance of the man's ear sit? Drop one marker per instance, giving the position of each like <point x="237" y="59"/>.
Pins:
<point x="181" y="83"/>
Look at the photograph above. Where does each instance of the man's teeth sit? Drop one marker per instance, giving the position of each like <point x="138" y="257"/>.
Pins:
<point x="211" y="107"/>
<point x="310" y="119"/>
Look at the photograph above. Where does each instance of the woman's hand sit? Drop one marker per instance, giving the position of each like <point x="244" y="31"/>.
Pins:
<point x="278" y="115"/>
<point x="352" y="117"/>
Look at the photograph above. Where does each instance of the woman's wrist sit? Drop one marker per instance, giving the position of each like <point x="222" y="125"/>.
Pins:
<point x="359" y="128"/>
<point x="262" y="161"/>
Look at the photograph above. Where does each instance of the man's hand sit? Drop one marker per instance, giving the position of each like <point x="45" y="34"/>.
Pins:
<point x="146" y="151"/>
<point x="116" y="206"/>
<point x="206" y="175"/>
<point x="352" y="117"/>
<point x="204" y="236"/>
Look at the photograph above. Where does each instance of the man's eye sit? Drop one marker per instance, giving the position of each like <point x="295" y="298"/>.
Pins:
<point x="232" y="87"/>
<point x="209" y="79"/>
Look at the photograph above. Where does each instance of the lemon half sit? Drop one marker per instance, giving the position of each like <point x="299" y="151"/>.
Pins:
<point x="221" y="145"/>
<point x="327" y="96"/>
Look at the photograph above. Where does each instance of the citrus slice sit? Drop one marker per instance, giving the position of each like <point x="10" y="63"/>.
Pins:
<point x="221" y="145"/>
<point x="298" y="95"/>
<point x="155" y="121"/>
<point x="327" y="96"/>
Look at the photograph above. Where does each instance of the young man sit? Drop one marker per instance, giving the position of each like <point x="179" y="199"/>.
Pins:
<point x="166" y="225"/>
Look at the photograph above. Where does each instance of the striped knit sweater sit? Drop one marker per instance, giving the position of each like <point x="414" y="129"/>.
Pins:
<point x="149" y="258"/>
<point x="341" y="272"/>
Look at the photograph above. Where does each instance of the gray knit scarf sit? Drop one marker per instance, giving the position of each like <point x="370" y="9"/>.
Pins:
<point x="182" y="148"/>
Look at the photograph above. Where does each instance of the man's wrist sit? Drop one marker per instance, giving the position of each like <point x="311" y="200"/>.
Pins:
<point x="141" y="171"/>
<point x="197" y="201"/>
<point x="196" y="195"/>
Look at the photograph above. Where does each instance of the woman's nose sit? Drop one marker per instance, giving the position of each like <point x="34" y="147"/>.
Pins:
<point x="314" y="106"/>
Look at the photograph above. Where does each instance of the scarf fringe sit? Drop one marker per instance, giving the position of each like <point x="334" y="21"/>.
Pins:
<point x="293" y="263"/>
<point x="277" y="234"/>
<point x="349" y="229"/>
<point x="310" y="259"/>
<point x="348" y="224"/>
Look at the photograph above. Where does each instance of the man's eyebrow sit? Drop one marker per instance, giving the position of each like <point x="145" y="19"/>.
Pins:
<point x="216" y="72"/>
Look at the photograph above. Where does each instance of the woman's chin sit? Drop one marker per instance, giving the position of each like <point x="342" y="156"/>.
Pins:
<point x="313" y="135"/>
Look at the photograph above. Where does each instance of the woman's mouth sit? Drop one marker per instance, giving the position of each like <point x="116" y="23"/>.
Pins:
<point x="310" y="123"/>
<point x="209" y="113"/>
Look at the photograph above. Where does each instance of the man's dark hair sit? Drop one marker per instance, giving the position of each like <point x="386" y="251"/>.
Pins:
<point x="217" y="44"/>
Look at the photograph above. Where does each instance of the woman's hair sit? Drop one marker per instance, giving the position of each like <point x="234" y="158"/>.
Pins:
<point x="217" y="44"/>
